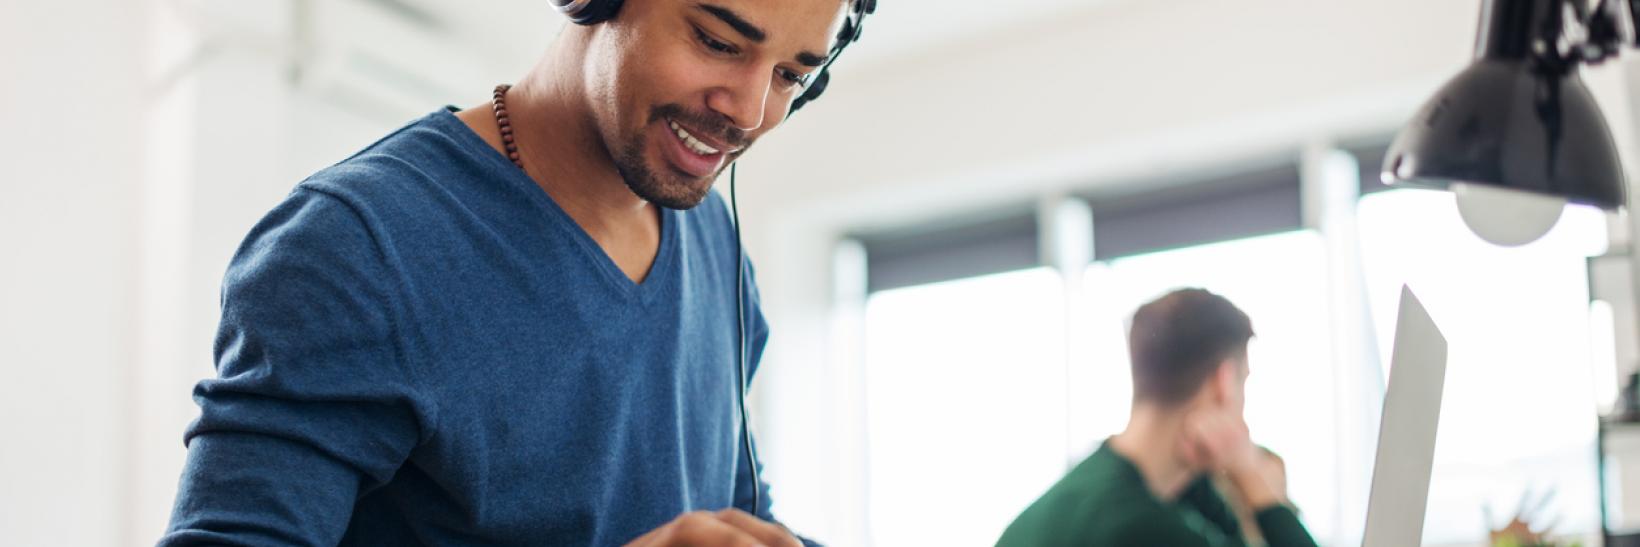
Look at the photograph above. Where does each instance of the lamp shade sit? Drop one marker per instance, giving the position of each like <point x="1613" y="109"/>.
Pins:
<point x="1515" y="118"/>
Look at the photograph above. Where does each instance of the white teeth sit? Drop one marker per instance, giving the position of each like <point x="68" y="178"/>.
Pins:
<point x="691" y="142"/>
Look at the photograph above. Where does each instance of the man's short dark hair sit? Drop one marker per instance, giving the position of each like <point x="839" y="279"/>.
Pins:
<point x="1178" y="340"/>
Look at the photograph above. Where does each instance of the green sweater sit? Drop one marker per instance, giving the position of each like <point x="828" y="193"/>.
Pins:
<point x="1104" y="501"/>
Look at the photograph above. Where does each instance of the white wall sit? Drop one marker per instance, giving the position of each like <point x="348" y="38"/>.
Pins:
<point x="71" y="165"/>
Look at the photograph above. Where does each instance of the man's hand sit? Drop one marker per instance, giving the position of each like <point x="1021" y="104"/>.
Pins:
<point x="726" y="528"/>
<point x="1274" y="470"/>
<point x="1218" y="441"/>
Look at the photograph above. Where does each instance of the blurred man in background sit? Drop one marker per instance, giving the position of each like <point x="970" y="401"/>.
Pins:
<point x="517" y="323"/>
<point x="1152" y="483"/>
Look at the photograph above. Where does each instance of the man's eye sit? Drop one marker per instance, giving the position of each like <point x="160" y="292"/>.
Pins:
<point x="793" y="77"/>
<point x="714" y="44"/>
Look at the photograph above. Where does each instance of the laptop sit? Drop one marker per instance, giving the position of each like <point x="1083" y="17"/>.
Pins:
<point x="1406" y="436"/>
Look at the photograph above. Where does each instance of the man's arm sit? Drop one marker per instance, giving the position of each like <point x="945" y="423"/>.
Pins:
<point x="314" y="403"/>
<point x="758" y="335"/>
<point x="1261" y="484"/>
<point x="1202" y="496"/>
<point x="1173" y="531"/>
<point x="1281" y="527"/>
<point x="757" y="338"/>
<point x="1219" y="441"/>
<point x="1263" y="492"/>
<point x="743" y="499"/>
<point x="1278" y="524"/>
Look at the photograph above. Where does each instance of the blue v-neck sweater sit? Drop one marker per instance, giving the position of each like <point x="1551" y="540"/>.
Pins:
<point x="418" y="346"/>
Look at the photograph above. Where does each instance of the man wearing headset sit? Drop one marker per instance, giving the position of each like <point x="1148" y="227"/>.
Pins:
<point x="517" y="323"/>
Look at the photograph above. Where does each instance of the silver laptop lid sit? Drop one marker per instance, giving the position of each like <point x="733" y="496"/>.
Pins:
<point x="1406" y="435"/>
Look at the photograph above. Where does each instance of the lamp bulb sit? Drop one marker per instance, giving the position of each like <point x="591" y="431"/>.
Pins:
<point x="1505" y="217"/>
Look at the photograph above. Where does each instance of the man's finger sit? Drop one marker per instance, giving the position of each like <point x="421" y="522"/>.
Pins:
<point x="702" y="529"/>
<point x="771" y="534"/>
<point x="646" y="539"/>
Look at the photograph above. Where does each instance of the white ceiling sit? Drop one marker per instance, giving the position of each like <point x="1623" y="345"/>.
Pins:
<point x="899" y="28"/>
<point x="511" y="32"/>
<point x="902" y="28"/>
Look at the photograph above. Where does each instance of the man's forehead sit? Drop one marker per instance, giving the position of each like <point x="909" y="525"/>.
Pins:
<point x="809" y="24"/>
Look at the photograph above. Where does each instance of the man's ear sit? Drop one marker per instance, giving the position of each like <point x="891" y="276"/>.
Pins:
<point x="1224" y="379"/>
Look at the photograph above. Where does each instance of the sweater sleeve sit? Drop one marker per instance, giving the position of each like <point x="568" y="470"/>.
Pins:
<point x="758" y="339"/>
<point x="1165" y="530"/>
<point x="1281" y="528"/>
<point x="1202" y="496"/>
<point x="1278" y="524"/>
<point x="313" y="404"/>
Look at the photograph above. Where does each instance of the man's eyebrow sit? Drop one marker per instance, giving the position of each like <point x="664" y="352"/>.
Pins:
<point x="734" y="20"/>
<point x="811" y="59"/>
<point x="755" y="34"/>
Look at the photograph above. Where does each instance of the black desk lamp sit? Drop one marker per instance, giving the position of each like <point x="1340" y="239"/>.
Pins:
<point x="1516" y="134"/>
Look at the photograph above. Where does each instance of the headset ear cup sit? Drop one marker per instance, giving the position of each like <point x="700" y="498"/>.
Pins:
<point x="813" y="92"/>
<point x="594" y="12"/>
<point x="848" y="34"/>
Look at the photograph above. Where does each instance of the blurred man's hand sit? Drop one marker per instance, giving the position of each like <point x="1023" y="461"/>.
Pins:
<point x="1218" y="441"/>
<point x="726" y="528"/>
<point x="1274" y="470"/>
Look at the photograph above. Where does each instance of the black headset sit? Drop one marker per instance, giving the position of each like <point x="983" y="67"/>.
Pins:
<point x="592" y="12"/>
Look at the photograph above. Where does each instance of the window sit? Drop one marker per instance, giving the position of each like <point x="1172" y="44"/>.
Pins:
<point x="982" y="391"/>
<point x="981" y="243"/>
<point x="965" y="405"/>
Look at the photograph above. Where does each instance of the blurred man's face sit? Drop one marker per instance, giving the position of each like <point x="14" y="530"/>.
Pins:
<point x="680" y="88"/>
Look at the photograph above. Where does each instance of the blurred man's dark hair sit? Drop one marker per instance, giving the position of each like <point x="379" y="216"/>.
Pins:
<point x="1178" y="340"/>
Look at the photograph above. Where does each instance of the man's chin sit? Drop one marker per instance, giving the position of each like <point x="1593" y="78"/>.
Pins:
<point x="657" y="181"/>
<point x="679" y="204"/>
<point x="679" y="190"/>
<point x="680" y="196"/>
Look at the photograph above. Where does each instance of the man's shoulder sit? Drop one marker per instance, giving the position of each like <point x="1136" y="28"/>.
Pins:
<point x="398" y="190"/>
<point x="408" y="160"/>
<point x="1090" y="516"/>
<point x="1107" y="478"/>
<point x="1101" y="501"/>
<point x="1124" y="519"/>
